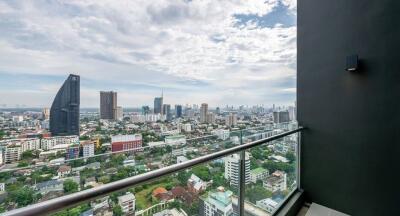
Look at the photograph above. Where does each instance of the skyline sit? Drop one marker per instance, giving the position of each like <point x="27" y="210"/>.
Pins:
<point x="195" y="51"/>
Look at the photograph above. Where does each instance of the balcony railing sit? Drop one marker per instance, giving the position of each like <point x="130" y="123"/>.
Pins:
<point x="241" y="198"/>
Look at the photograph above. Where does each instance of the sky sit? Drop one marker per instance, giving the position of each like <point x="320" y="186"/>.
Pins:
<point x="218" y="52"/>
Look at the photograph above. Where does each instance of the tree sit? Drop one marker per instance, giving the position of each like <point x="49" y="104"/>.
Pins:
<point x="257" y="192"/>
<point x="290" y="156"/>
<point x="23" y="164"/>
<point x="202" y="172"/>
<point x="117" y="210"/>
<point x="70" y="186"/>
<point x="2" y="134"/>
<point x="23" y="196"/>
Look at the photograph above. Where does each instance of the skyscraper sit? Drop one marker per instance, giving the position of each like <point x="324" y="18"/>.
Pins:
<point x="178" y="111"/>
<point x="281" y="117"/>
<point x="108" y="105"/>
<point x="64" y="112"/>
<point x="231" y="120"/>
<point x="158" y="104"/>
<point x="167" y="111"/>
<point x="203" y="112"/>
<point x="145" y="110"/>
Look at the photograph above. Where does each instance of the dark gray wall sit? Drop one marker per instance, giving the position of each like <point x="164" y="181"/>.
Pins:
<point x="351" y="151"/>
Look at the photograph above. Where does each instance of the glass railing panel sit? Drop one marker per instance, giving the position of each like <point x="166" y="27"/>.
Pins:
<point x="202" y="188"/>
<point x="272" y="174"/>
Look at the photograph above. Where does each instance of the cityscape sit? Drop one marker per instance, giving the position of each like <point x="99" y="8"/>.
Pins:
<point x="63" y="149"/>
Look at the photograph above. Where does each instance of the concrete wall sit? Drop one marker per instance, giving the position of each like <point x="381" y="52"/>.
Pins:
<point x="351" y="151"/>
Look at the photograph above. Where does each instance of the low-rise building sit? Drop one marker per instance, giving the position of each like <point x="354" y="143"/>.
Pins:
<point x="2" y="186"/>
<point x="12" y="154"/>
<point x="171" y="212"/>
<point x="221" y="134"/>
<point x="88" y="148"/>
<point x="127" y="203"/>
<point x="276" y="181"/>
<point x="49" y="142"/>
<point x="258" y="174"/>
<point x="175" y="140"/>
<point x="196" y="184"/>
<point x="126" y="142"/>
<point x="181" y="159"/>
<point x="63" y="171"/>
<point x="268" y="204"/>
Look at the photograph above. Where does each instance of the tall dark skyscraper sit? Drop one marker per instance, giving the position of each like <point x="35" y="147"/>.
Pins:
<point x="145" y="110"/>
<point x="158" y="105"/>
<point x="64" y="112"/>
<point x="178" y="111"/>
<point x="167" y="111"/>
<point x="108" y="105"/>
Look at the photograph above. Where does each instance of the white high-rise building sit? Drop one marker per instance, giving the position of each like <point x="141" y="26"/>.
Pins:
<point x="88" y="148"/>
<point x="232" y="166"/>
<point x="203" y="112"/>
<point x="127" y="203"/>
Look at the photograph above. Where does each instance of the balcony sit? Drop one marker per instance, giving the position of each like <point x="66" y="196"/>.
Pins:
<point x="191" y="187"/>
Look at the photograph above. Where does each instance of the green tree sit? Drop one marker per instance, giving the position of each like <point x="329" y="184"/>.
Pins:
<point x="290" y="156"/>
<point x="257" y="192"/>
<point x="202" y="172"/>
<point x="23" y="164"/>
<point x="70" y="186"/>
<point x="23" y="196"/>
<point x="117" y="210"/>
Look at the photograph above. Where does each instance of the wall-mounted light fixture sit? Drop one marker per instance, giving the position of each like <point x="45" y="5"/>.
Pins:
<point x="352" y="63"/>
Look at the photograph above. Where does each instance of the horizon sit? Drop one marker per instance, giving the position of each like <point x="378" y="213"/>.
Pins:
<point x="218" y="52"/>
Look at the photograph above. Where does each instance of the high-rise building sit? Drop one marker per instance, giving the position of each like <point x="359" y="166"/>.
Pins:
<point x="217" y="110"/>
<point x="281" y="116"/>
<point x="217" y="203"/>
<point x="203" y="112"/>
<point x="145" y="110"/>
<point x="167" y="111"/>
<point x="231" y="120"/>
<point x="108" y="105"/>
<point x="64" y="112"/>
<point x="178" y="111"/>
<point x="119" y="114"/>
<point x="158" y="104"/>
<point x="46" y="114"/>
<point x="232" y="165"/>
<point x="210" y="118"/>
<point x="72" y="152"/>
<point x="87" y="148"/>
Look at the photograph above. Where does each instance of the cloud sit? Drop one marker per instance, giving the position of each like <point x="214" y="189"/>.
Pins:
<point x="220" y="52"/>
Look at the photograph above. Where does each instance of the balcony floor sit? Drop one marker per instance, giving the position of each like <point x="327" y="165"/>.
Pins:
<point x="318" y="210"/>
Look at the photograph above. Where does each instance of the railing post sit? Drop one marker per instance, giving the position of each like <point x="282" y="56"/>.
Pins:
<point x="242" y="177"/>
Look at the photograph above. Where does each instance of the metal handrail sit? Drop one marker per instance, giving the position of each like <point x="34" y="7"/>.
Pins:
<point x="66" y="201"/>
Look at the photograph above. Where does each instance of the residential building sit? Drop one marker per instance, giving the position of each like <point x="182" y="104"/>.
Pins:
<point x="231" y="120"/>
<point x="196" y="184"/>
<point x="49" y="186"/>
<point x="203" y="112"/>
<point x="119" y="113"/>
<point x="64" y="112"/>
<point x="210" y="118"/>
<point x="50" y="143"/>
<point x="126" y="142"/>
<point x="171" y="212"/>
<point x="258" y="174"/>
<point x="127" y="203"/>
<point x="63" y="171"/>
<point x="72" y="152"/>
<point x="2" y="186"/>
<point x="88" y="148"/>
<point x="232" y="165"/>
<point x="218" y="203"/>
<point x="12" y="154"/>
<point x="175" y="140"/>
<point x="187" y="127"/>
<point x="108" y="105"/>
<point x="276" y="181"/>
<point x="46" y="114"/>
<point x="281" y="117"/>
<point x="221" y="133"/>
<point x="267" y="204"/>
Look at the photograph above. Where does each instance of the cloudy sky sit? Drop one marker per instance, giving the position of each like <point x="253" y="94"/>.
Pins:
<point x="221" y="52"/>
